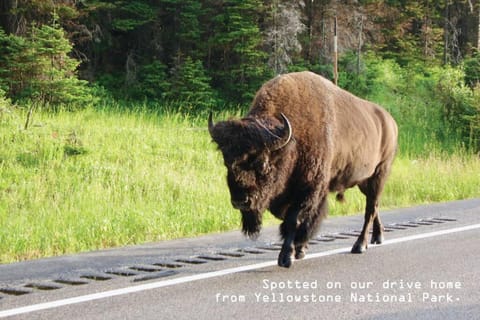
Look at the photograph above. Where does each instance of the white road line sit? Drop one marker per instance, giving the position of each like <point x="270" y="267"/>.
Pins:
<point x="208" y="275"/>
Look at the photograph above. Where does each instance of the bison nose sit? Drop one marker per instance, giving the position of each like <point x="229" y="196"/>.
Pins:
<point x="241" y="203"/>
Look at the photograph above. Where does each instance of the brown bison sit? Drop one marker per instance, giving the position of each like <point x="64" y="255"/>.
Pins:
<point x="302" y="138"/>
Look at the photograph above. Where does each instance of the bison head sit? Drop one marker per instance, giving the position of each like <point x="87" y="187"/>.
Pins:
<point x="251" y="149"/>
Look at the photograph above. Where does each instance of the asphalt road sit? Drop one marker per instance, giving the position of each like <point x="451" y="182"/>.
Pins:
<point x="426" y="269"/>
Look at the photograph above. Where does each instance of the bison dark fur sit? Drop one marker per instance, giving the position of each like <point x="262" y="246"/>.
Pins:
<point x="303" y="138"/>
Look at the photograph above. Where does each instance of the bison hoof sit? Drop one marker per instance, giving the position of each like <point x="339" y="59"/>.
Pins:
<point x="359" y="247"/>
<point x="285" y="259"/>
<point x="299" y="253"/>
<point x="377" y="239"/>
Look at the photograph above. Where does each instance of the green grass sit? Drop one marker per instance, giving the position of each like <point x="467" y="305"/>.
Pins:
<point x="78" y="181"/>
<point x="101" y="178"/>
<point x="436" y="178"/>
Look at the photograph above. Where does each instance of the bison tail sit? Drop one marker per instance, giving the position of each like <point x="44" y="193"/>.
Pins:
<point x="340" y="197"/>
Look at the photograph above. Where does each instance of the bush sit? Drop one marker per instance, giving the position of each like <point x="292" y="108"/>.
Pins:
<point x="38" y="69"/>
<point x="5" y="103"/>
<point x="5" y="106"/>
<point x="472" y="69"/>
<point x="16" y="63"/>
<point x="460" y="103"/>
<point x="370" y="74"/>
<point x="474" y="119"/>
<point x="352" y="74"/>
<point x="153" y="80"/>
<point x="191" y="86"/>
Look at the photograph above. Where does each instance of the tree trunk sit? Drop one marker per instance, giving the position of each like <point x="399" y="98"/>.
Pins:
<point x="360" y="44"/>
<point x="309" y="24"/>
<point x="335" y="51"/>
<point x="7" y="21"/>
<point x="478" y="33"/>
<point x="445" y="33"/>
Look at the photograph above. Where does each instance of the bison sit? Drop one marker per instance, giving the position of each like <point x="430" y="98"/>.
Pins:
<point x="303" y="138"/>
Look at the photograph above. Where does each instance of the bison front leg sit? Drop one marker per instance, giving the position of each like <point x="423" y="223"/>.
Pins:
<point x="288" y="231"/>
<point x="300" y="250"/>
<point x="298" y="227"/>
<point x="309" y="225"/>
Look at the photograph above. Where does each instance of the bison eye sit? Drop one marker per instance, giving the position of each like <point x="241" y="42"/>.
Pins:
<point x="242" y="165"/>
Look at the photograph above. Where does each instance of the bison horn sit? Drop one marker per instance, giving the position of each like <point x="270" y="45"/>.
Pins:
<point x="286" y="136"/>
<point x="210" y="123"/>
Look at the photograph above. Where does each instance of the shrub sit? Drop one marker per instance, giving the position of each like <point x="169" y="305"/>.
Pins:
<point x="460" y="104"/>
<point x="474" y="119"/>
<point x="352" y="74"/>
<point x="472" y="69"/>
<point x="153" y="80"/>
<point x="38" y="68"/>
<point x="5" y="107"/>
<point x="191" y="85"/>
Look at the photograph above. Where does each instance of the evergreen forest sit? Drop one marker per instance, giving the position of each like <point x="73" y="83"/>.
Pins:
<point x="199" y="55"/>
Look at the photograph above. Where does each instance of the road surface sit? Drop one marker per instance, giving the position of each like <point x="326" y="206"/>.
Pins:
<point x="426" y="269"/>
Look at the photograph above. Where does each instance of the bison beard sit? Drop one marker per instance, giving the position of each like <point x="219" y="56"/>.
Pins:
<point x="302" y="138"/>
<point x="251" y="223"/>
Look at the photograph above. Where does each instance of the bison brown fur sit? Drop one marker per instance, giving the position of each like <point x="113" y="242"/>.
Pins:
<point x="303" y="138"/>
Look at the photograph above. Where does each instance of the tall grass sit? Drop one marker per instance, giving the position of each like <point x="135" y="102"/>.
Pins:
<point x="77" y="181"/>
<point x="112" y="176"/>
<point x="434" y="178"/>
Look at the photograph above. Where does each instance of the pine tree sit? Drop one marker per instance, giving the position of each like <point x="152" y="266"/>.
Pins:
<point x="17" y="63"/>
<point x="190" y="85"/>
<point x="472" y="69"/>
<point x="38" y="68"/>
<point x="132" y="14"/>
<point x="237" y="58"/>
<point x="152" y="81"/>
<point x="182" y="26"/>
<point x="54" y="81"/>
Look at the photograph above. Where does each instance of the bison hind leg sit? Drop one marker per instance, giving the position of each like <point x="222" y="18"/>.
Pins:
<point x="377" y="232"/>
<point x="372" y="188"/>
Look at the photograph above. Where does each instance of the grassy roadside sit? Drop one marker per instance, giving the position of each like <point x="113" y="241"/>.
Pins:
<point x="435" y="178"/>
<point x="94" y="179"/>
